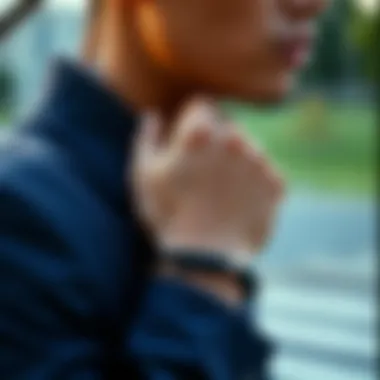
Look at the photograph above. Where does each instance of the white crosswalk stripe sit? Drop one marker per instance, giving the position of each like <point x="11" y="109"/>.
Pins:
<point x="324" y="329"/>
<point x="291" y="368"/>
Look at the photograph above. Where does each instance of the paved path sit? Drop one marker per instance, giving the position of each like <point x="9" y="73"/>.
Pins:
<point x="325" y="328"/>
<point x="310" y="224"/>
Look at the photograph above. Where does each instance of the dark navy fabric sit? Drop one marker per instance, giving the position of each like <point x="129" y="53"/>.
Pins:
<point x="75" y="299"/>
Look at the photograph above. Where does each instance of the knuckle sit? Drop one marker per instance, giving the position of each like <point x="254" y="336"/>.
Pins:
<point x="199" y="114"/>
<point x="198" y="137"/>
<point x="233" y="143"/>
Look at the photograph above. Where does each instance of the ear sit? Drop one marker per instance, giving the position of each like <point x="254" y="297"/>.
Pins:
<point x="92" y="34"/>
<point x="151" y="27"/>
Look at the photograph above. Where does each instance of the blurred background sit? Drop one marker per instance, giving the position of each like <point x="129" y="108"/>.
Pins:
<point x="319" y="297"/>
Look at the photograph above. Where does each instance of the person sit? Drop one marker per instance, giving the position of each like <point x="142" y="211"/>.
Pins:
<point x="123" y="240"/>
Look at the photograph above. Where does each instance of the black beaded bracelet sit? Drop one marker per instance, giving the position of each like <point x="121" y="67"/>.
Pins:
<point x="210" y="262"/>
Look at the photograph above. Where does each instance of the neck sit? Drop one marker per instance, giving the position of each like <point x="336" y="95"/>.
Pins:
<point x="129" y="71"/>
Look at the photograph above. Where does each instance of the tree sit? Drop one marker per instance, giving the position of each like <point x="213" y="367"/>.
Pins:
<point x="6" y="89"/>
<point x="363" y="29"/>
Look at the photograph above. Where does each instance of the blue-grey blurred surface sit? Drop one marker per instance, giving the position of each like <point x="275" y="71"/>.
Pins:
<point x="319" y="289"/>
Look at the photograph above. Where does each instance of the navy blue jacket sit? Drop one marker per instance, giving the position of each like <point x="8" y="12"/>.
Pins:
<point x="75" y="298"/>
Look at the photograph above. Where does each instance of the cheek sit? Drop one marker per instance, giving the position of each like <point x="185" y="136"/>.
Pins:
<point x="232" y="55"/>
<point x="218" y="53"/>
<point x="248" y="74"/>
<point x="231" y="61"/>
<point x="218" y="49"/>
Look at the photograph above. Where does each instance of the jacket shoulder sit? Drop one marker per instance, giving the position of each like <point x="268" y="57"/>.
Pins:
<point x="34" y="168"/>
<point x="46" y="201"/>
<point x="24" y="157"/>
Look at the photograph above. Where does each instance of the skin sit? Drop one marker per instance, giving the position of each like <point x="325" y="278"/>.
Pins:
<point x="205" y="182"/>
<point x="158" y="54"/>
<point x="155" y="53"/>
<point x="91" y="40"/>
<point x="206" y="188"/>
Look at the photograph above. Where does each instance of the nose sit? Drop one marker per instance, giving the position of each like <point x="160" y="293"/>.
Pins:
<point x="303" y="9"/>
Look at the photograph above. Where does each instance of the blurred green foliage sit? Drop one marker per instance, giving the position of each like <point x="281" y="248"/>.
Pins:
<point x="345" y="33"/>
<point x="319" y="143"/>
<point x="364" y="30"/>
<point x="7" y="87"/>
<point x="330" y="51"/>
<point x="332" y="149"/>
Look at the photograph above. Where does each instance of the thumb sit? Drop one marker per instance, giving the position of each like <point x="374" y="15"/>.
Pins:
<point x="150" y="131"/>
<point x="144" y="148"/>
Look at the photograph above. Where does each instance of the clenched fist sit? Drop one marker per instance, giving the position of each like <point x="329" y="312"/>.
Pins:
<point x="205" y="186"/>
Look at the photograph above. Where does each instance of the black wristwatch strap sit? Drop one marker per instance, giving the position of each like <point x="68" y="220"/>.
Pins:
<point x="210" y="262"/>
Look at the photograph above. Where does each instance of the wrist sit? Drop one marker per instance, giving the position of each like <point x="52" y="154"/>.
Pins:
<point x="192" y="233"/>
<point x="224" y="286"/>
<point x="207" y="253"/>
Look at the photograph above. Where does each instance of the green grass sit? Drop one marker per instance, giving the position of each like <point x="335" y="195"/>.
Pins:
<point x="342" y="159"/>
<point x="4" y="118"/>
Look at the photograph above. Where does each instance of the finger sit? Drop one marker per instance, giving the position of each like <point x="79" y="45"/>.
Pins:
<point x="277" y="183"/>
<point x="198" y="139"/>
<point x="257" y="148"/>
<point x="196" y="115"/>
<point x="255" y="157"/>
<point x="151" y="127"/>
<point x="230" y="126"/>
<point x="233" y="142"/>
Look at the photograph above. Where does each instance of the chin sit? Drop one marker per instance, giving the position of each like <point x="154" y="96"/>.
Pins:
<point x="271" y="92"/>
<point x="264" y="99"/>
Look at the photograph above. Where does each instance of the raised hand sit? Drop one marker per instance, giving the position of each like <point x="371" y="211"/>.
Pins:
<point x="205" y="187"/>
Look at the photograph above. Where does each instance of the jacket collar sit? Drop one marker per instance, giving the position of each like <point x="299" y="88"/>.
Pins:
<point x="94" y="126"/>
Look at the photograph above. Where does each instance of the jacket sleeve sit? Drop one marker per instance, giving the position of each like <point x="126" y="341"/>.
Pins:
<point x="181" y="333"/>
<point x="44" y="328"/>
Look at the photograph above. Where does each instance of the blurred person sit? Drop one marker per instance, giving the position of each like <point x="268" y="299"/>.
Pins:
<point x="124" y="243"/>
